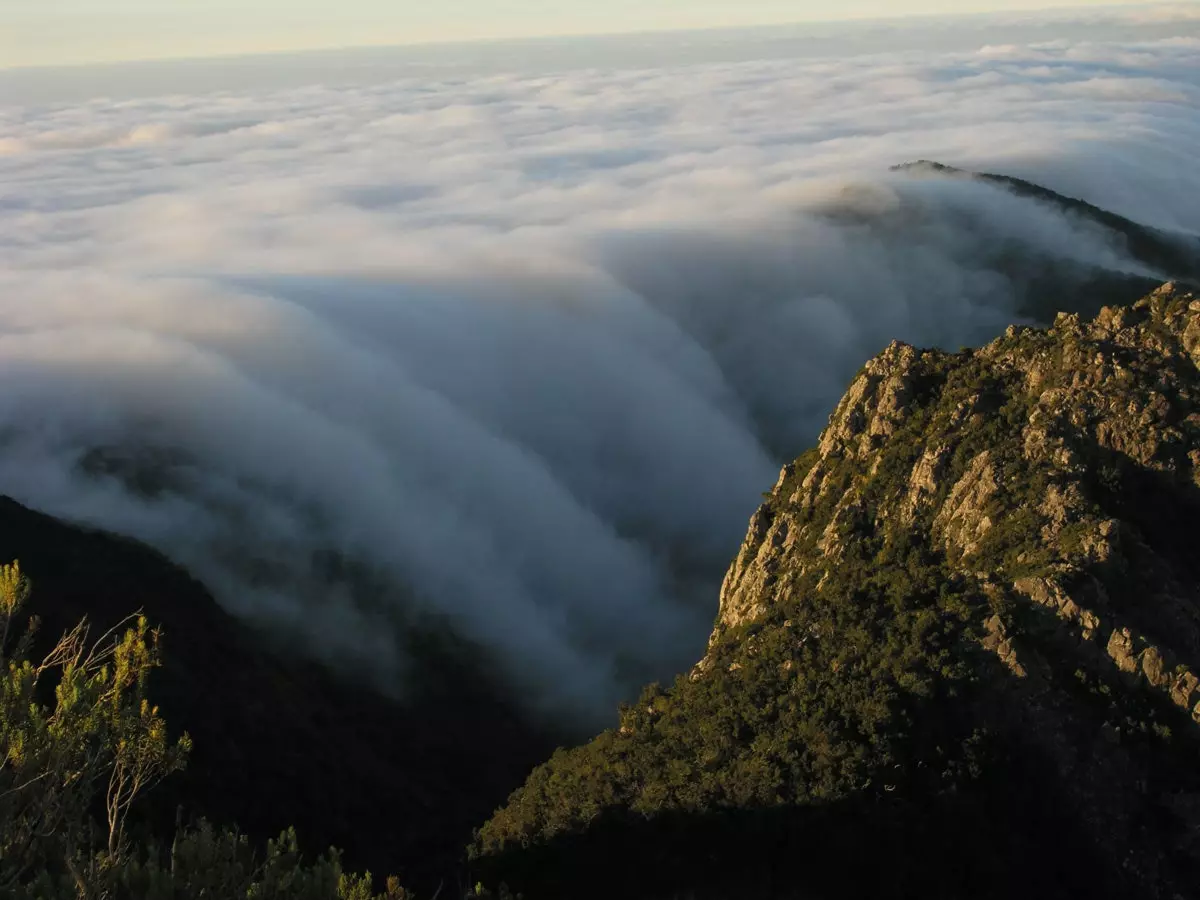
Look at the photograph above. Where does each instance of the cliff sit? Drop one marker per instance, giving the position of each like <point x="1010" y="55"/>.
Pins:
<point x="957" y="655"/>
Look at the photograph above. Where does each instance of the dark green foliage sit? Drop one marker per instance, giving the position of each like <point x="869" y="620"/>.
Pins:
<point x="819" y="703"/>
<point x="80" y="745"/>
<point x="203" y="862"/>
<point x="844" y="730"/>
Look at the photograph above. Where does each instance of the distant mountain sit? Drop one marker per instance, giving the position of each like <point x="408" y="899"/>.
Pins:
<point x="1048" y="284"/>
<point x="280" y="741"/>
<point x="958" y="654"/>
<point x="1176" y="256"/>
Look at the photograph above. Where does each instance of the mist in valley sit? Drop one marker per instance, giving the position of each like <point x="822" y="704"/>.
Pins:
<point x="513" y="357"/>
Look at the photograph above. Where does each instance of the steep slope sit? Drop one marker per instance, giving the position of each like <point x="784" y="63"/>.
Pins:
<point x="278" y="741"/>
<point x="957" y="655"/>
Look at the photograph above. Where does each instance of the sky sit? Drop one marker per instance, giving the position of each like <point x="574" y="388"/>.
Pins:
<point x="68" y="32"/>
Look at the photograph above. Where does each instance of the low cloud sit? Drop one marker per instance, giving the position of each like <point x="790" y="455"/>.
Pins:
<point x="520" y="353"/>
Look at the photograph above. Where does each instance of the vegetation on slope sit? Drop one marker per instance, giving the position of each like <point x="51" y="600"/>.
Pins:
<point x="80" y="745"/>
<point x="955" y="655"/>
<point x="278" y="740"/>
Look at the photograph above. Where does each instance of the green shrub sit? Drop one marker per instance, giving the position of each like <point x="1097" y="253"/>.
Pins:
<point x="80" y="744"/>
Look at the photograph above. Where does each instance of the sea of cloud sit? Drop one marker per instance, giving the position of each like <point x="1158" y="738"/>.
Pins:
<point x="521" y="352"/>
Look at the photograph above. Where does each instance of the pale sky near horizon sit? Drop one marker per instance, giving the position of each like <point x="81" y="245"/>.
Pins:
<point x="65" y="32"/>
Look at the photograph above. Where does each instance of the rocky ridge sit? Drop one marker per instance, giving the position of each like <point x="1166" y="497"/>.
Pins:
<point x="1073" y="383"/>
<point x="970" y="613"/>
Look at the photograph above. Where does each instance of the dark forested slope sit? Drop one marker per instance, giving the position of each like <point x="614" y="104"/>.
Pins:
<point x="279" y="741"/>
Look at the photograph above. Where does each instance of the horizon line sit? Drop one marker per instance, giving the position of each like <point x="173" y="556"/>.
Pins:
<point x="568" y="35"/>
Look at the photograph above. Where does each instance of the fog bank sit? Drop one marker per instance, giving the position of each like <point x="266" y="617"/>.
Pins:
<point x="520" y="353"/>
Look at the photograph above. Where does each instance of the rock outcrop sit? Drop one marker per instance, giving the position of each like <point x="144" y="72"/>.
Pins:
<point x="976" y="600"/>
<point x="1085" y="400"/>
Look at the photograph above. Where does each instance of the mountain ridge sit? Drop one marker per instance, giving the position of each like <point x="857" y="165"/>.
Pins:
<point x="1176" y="255"/>
<point x="974" y="601"/>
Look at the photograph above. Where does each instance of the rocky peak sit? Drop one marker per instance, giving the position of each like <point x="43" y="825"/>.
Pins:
<point x="1057" y="473"/>
<point x="974" y="604"/>
<point x="1034" y="505"/>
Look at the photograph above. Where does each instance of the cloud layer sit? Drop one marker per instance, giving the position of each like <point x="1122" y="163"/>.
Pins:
<point x="521" y="352"/>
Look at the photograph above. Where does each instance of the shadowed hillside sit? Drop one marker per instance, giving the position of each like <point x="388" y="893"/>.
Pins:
<point x="280" y="742"/>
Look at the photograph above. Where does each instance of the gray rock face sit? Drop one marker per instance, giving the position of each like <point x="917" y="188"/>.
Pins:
<point x="1125" y="385"/>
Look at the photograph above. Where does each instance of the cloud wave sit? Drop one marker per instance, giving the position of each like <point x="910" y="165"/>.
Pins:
<point x="520" y="353"/>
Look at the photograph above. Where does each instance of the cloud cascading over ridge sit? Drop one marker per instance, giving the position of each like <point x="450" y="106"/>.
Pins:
<point x="522" y="352"/>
